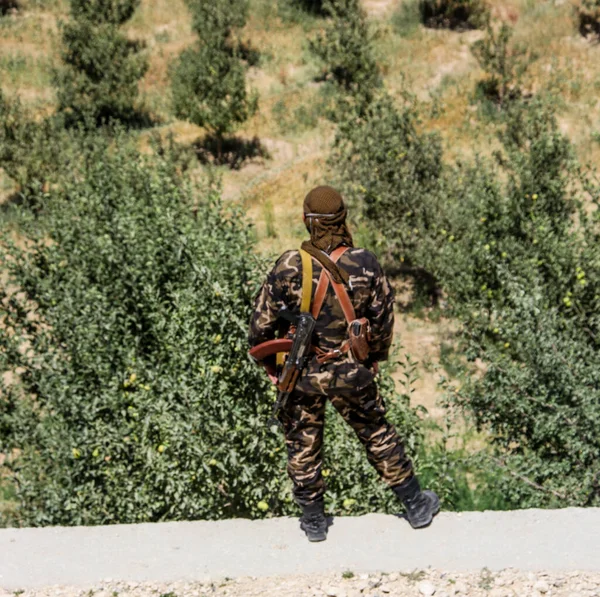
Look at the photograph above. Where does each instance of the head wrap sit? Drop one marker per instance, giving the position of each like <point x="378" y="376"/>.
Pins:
<point x="325" y="215"/>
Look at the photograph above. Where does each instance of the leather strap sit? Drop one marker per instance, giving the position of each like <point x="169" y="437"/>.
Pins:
<point x="344" y="299"/>
<point x="307" y="272"/>
<point x="323" y="284"/>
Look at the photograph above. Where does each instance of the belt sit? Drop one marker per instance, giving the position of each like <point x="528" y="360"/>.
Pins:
<point x="323" y="356"/>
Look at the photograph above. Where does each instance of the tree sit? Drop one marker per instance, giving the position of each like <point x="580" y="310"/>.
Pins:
<point x="101" y="66"/>
<point x="453" y="14"/>
<point x="208" y="81"/>
<point x="345" y="48"/>
<point x="503" y="62"/>
<point x="391" y="174"/>
<point x="514" y="245"/>
<point x="217" y="19"/>
<point x="34" y="154"/>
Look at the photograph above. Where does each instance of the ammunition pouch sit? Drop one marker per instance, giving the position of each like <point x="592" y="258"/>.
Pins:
<point x="359" y="336"/>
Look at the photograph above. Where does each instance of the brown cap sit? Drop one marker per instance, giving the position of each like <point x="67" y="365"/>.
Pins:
<point x="323" y="200"/>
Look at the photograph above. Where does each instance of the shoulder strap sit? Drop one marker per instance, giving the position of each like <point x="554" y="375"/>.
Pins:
<point x="340" y="291"/>
<point x="307" y="272"/>
<point x="344" y="299"/>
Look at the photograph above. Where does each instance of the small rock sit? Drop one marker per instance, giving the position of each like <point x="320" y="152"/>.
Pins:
<point x="531" y="577"/>
<point x="334" y="592"/>
<point x="443" y="594"/>
<point x="460" y="587"/>
<point x="393" y="577"/>
<point x="385" y="589"/>
<point x="426" y="588"/>
<point x="541" y="586"/>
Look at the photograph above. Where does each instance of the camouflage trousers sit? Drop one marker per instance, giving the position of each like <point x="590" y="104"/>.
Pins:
<point x="303" y="424"/>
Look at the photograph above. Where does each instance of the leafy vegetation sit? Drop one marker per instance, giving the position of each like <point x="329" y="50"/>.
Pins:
<point x="101" y="66"/>
<point x="391" y="174"/>
<point x="589" y="17"/>
<point x="453" y="14"/>
<point x="503" y="62"/>
<point x="501" y="242"/>
<point x="34" y="154"/>
<point x="217" y="19"/>
<point x="345" y="48"/>
<point x="111" y="409"/>
<point x="208" y="81"/>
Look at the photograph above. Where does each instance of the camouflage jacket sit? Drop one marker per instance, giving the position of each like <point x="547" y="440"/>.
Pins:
<point x="372" y="297"/>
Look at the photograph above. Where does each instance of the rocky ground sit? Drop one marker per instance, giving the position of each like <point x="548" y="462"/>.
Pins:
<point x="419" y="583"/>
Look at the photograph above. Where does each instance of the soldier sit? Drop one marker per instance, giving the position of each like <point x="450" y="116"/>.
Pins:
<point x="334" y="371"/>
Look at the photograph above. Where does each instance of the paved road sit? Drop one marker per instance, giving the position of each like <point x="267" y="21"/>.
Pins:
<point x="551" y="540"/>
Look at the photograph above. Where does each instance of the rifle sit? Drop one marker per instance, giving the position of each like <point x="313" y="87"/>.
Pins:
<point x="295" y="362"/>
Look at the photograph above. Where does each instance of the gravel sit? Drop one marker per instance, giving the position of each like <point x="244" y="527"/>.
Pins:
<point x="484" y="583"/>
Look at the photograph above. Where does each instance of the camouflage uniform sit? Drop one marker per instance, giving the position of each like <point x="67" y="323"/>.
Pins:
<point x="347" y="383"/>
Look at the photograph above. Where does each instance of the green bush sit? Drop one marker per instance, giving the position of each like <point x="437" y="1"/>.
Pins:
<point x="208" y="84"/>
<point x="217" y="19"/>
<point x="7" y="5"/>
<point x="529" y="301"/>
<point x="126" y="305"/>
<point x="34" y="154"/>
<point x="515" y="249"/>
<point x="136" y="400"/>
<point x="101" y="66"/>
<point x="116" y="12"/>
<point x="345" y="49"/>
<point x="504" y="64"/>
<point x="453" y="14"/>
<point x="589" y="17"/>
<point x="391" y="175"/>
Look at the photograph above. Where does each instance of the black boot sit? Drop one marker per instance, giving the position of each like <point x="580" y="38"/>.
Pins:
<point x="421" y="506"/>
<point x="313" y="521"/>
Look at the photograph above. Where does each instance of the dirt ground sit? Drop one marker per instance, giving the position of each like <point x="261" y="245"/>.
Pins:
<point x="418" y="583"/>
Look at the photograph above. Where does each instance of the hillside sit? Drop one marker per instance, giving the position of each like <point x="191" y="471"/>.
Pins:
<point x="288" y="140"/>
<point x="284" y="149"/>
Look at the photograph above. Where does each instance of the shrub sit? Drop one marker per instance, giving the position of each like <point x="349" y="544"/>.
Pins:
<point x="390" y="173"/>
<point x="101" y="66"/>
<point x="345" y="48"/>
<point x="208" y="84"/>
<point x="8" y="5"/>
<point x="34" y="154"/>
<point x="217" y="19"/>
<point x="136" y="399"/>
<point x="453" y="14"/>
<point x="589" y="17"/>
<point x="515" y="250"/>
<point x="529" y="304"/>
<point x="406" y="18"/>
<point x="503" y="62"/>
<point x="125" y="315"/>
<point x="115" y="12"/>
